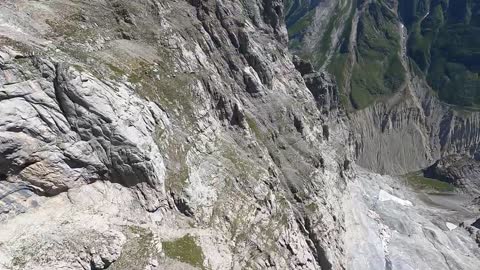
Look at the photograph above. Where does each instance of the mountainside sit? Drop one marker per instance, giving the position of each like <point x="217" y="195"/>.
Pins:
<point x="364" y="42"/>
<point x="444" y="42"/>
<point x="360" y="45"/>
<point x="185" y="135"/>
<point x="174" y="135"/>
<point x="401" y="117"/>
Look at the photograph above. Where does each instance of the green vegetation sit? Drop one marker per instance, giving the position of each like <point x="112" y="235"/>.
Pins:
<point x="138" y="249"/>
<point x="254" y="127"/>
<point x="176" y="151"/>
<point x="344" y="9"/>
<point x="21" y="259"/>
<point x="244" y="167"/>
<point x="312" y="207"/>
<point x="295" y="10"/>
<point x="300" y="15"/>
<point x="239" y="224"/>
<point x="420" y="182"/>
<point x="374" y="69"/>
<point x="176" y="179"/>
<point x="186" y="250"/>
<point x="21" y="47"/>
<point x="299" y="27"/>
<point x="116" y="70"/>
<point x="338" y="65"/>
<point x="157" y="82"/>
<point x="379" y="70"/>
<point x="155" y="79"/>
<point x="445" y="44"/>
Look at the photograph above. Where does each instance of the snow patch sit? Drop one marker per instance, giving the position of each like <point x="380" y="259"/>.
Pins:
<point x="385" y="196"/>
<point x="451" y="226"/>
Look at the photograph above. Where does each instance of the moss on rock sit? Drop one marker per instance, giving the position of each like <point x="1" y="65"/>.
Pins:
<point x="185" y="249"/>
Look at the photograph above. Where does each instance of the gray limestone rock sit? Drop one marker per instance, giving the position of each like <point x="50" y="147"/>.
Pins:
<point x="65" y="128"/>
<point x="320" y="84"/>
<point x="460" y="170"/>
<point x="181" y="135"/>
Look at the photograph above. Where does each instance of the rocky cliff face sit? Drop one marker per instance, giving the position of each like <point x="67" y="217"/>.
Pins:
<point x="184" y="135"/>
<point x="63" y="129"/>
<point x="411" y="131"/>
<point x="176" y="134"/>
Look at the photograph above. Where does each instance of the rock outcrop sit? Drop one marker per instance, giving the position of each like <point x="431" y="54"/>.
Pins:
<point x="459" y="170"/>
<point x="62" y="128"/>
<point x="321" y="85"/>
<point x="178" y="134"/>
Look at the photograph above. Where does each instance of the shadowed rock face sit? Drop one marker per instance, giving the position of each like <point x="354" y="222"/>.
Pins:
<point x="476" y="224"/>
<point x="320" y="85"/>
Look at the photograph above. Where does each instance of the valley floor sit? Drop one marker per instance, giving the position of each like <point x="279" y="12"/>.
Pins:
<point x="411" y="230"/>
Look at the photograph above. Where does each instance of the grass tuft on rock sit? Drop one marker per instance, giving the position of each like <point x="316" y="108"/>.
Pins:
<point x="185" y="249"/>
<point x="137" y="251"/>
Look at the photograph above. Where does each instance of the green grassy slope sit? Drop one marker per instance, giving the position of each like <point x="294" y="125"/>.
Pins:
<point x="298" y="16"/>
<point x="377" y="70"/>
<point x="445" y="44"/>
